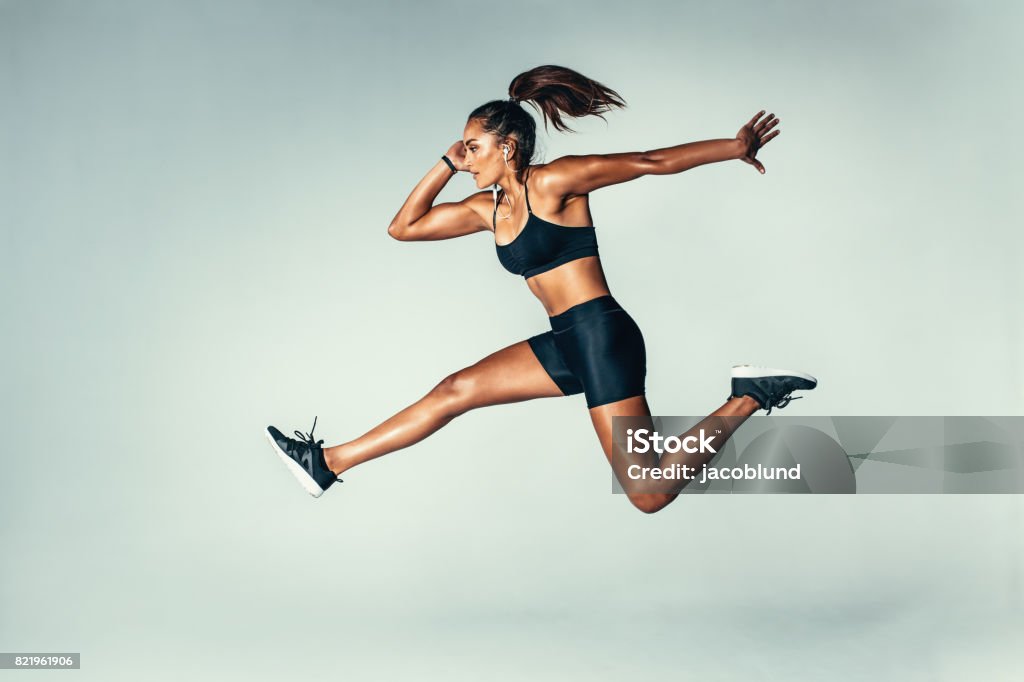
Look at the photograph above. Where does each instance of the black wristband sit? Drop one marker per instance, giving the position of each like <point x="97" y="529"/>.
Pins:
<point x="450" y="164"/>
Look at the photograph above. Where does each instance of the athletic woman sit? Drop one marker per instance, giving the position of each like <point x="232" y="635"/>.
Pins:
<point x="539" y="215"/>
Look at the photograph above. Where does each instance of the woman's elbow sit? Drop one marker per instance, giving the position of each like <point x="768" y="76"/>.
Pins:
<point x="398" y="231"/>
<point x="650" y="163"/>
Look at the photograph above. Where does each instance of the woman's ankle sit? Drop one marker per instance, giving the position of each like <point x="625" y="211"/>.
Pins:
<point x="334" y="459"/>
<point x="746" y="404"/>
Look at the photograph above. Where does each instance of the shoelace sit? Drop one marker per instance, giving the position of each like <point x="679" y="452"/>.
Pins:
<point x="307" y="438"/>
<point x="781" y="402"/>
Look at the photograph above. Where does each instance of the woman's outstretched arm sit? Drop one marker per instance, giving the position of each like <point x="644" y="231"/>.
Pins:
<point x="577" y="175"/>
<point x="420" y="220"/>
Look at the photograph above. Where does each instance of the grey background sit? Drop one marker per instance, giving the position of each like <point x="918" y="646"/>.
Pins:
<point x="194" y="199"/>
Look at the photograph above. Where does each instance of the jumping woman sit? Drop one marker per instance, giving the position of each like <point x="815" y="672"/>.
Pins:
<point x="540" y="217"/>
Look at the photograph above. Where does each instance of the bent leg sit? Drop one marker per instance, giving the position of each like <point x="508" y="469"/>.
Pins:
<point x="512" y="374"/>
<point x="653" y="495"/>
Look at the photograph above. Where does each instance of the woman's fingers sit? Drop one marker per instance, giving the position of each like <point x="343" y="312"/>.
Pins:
<point x="769" y="137"/>
<point x="763" y="124"/>
<point x="457" y="152"/>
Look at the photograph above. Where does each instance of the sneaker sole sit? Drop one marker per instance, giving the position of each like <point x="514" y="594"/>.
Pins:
<point x="750" y="372"/>
<point x="307" y="481"/>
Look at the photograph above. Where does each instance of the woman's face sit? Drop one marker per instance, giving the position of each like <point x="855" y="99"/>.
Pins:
<point x="483" y="154"/>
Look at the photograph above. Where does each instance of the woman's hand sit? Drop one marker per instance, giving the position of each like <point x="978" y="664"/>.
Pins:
<point x="755" y="135"/>
<point x="457" y="154"/>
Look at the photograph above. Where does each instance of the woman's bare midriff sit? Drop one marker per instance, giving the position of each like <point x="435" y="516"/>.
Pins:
<point x="570" y="284"/>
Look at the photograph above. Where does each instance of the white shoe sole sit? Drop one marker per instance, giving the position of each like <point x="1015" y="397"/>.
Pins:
<point x="750" y="372"/>
<point x="307" y="481"/>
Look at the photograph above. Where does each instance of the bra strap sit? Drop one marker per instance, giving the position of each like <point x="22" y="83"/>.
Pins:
<point x="526" y="191"/>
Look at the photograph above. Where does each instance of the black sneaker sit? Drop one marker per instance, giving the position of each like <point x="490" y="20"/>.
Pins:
<point x="304" y="458"/>
<point x="769" y="387"/>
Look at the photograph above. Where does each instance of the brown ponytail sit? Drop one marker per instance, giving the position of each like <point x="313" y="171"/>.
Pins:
<point x="558" y="91"/>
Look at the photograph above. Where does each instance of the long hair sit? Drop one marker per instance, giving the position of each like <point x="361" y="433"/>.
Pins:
<point x="556" y="92"/>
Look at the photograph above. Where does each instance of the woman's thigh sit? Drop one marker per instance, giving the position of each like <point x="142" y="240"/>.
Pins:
<point x="644" y="497"/>
<point x="602" y="419"/>
<point x="512" y="374"/>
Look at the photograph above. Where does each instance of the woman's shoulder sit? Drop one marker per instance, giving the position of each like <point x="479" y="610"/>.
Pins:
<point x="554" y="178"/>
<point x="552" y="174"/>
<point x="541" y="175"/>
<point x="481" y="203"/>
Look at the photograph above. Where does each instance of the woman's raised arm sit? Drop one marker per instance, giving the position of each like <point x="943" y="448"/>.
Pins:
<point x="420" y="220"/>
<point x="578" y="175"/>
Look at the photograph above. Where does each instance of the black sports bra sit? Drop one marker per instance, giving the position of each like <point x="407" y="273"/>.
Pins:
<point x="541" y="245"/>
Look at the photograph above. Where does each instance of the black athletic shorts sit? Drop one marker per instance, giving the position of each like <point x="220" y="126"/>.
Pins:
<point x="594" y="348"/>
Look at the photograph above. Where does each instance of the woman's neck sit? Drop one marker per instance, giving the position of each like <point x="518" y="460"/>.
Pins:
<point x="510" y="184"/>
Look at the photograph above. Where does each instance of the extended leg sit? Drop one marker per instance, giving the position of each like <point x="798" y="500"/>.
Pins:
<point x="510" y="375"/>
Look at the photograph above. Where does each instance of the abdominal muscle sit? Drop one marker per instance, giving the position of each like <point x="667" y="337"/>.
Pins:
<point x="567" y="285"/>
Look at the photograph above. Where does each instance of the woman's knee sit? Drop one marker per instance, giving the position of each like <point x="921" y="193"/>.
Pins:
<point x="650" y="503"/>
<point x="455" y="393"/>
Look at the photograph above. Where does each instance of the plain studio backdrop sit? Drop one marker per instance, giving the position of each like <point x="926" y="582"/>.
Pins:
<point x="194" y="199"/>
